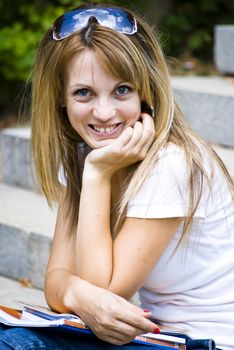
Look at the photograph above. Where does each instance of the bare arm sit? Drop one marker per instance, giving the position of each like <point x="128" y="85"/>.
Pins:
<point x="121" y="265"/>
<point x="111" y="317"/>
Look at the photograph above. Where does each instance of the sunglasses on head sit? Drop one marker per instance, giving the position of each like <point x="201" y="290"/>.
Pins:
<point x="76" y="19"/>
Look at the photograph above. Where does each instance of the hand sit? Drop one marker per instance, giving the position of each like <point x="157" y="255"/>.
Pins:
<point x="110" y="317"/>
<point x="130" y="147"/>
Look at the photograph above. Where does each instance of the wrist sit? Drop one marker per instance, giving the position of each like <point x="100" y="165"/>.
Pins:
<point x="75" y="293"/>
<point x="95" y="173"/>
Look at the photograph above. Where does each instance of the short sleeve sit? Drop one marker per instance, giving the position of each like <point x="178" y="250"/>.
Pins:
<point x="165" y="192"/>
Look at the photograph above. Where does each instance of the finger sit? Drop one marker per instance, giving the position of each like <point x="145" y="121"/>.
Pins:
<point x="148" y="132"/>
<point x="118" y="337"/>
<point x="142" y="136"/>
<point x="141" y="139"/>
<point x="139" y="322"/>
<point x="125" y="332"/>
<point x="148" y="126"/>
<point x="117" y="145"/>
<point x="125" y="136"/>
<point x="135" y="139"/>
<point x="145" y="115"/>
<point x="121" y="335"/>
<point x="147" y="313"/>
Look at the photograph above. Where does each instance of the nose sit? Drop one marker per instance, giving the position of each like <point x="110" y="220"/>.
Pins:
<point x="104" y="110"/>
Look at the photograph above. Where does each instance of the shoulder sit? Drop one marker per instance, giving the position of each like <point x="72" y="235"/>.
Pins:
<point x="174" y="159"/>
<point x="172" y="153"/>
<point x="171" y="149"/>
<point x="164" y="191"/>
<point x="167" y="187"/>
<point x="171" y="160"/>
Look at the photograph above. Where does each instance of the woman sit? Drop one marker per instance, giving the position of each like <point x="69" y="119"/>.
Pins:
<point x="144" y="204"/>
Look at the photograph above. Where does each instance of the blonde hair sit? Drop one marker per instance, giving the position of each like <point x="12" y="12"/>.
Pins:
<point x="135" y="58"/>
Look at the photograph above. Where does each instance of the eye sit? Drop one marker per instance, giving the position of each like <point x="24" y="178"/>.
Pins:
<point x="123" y="90"/>
<point x="84" y="92"/>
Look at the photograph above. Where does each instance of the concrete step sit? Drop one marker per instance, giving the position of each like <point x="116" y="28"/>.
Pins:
<point x="224" y="48"/>
<point x="208" y="105"/>
<point x="26" y="230"/>
<point x="12" y="291"/>
<point x="16" y="163"/>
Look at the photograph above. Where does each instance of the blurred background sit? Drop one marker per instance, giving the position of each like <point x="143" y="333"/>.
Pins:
<point x="185" y="29"/>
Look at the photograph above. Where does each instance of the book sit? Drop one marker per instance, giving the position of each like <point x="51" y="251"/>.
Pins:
<point x="38" y="316"/>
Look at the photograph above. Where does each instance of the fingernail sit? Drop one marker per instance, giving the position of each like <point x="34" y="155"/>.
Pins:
<point x="147" y="311"/>
<point x="156" y="330"/>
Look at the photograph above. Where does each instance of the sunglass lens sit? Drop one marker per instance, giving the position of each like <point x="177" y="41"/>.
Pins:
<point x="74" y="20"/>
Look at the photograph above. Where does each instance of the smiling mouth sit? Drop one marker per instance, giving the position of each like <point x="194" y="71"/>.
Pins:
<point x="104" y="130"/>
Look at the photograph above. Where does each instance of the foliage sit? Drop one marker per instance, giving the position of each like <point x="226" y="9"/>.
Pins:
<point x="19" y="39"/>
<point x="20" y="32"/>
<point x="190" y="26"/>
<point x="21" y="28"/>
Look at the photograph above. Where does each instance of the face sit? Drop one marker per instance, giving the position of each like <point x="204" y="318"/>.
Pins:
<point x="99" y="107"/>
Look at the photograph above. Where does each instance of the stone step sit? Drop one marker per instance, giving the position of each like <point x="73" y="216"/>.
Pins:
<point x="12" y="291"/>
<point x="26" y="230"/>
<point x="208" y="105"/>
<point x="16" y="163"/>
<point x="224" y="48"/>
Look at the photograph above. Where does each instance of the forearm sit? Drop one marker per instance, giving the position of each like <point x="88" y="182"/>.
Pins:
<point x="64" y="291"/>
<point x="56" y="284"/>
<point x="96" y="259"/>
<point x="109" y="316"/>
<point x="94" y="245"/>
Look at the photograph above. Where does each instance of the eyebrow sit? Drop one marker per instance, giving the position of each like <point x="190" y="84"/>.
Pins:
<point x="80" y="84"/>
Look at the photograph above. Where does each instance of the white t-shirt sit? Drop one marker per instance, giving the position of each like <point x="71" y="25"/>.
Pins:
<point x="191" y="288"/>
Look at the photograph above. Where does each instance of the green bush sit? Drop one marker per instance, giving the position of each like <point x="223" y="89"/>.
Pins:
<point x="190" y="26"/>
<point x="21" y="29"/>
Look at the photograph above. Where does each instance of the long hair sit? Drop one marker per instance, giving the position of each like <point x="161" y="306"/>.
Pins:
<point x="135" y="58"/>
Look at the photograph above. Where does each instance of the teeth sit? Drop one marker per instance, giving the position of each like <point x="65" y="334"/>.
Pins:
<point x="104" y="130"/>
